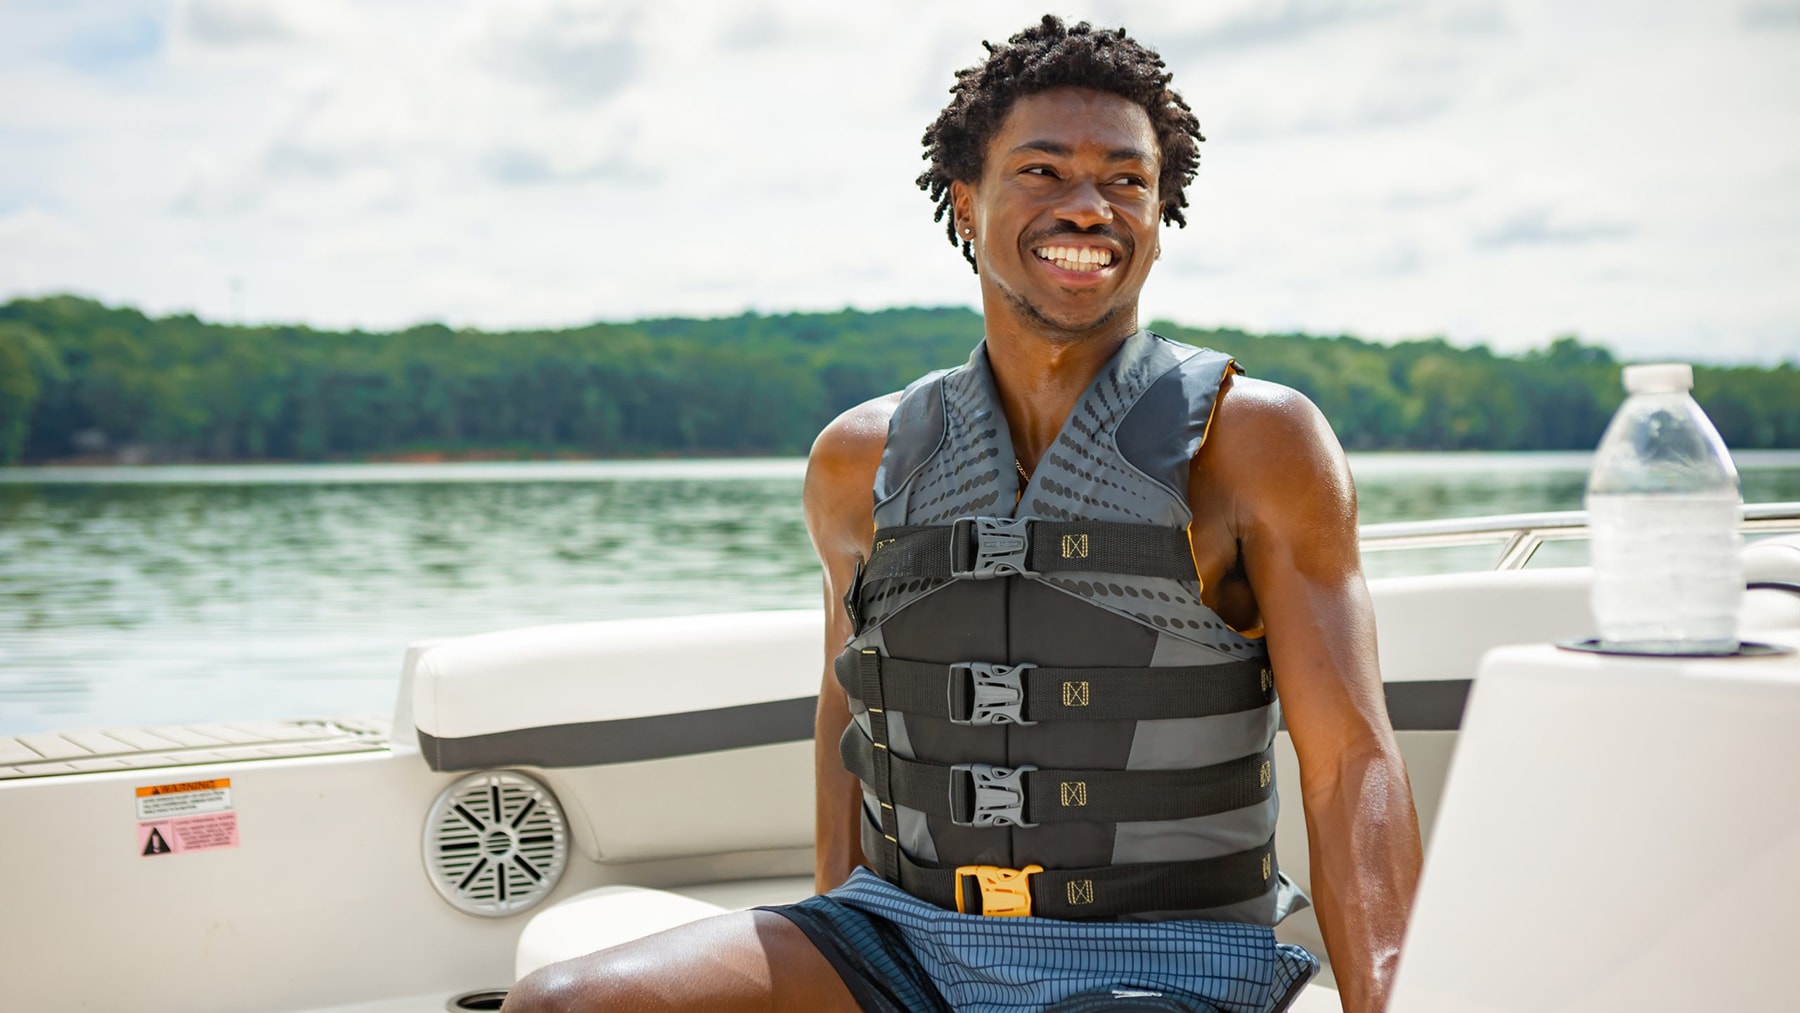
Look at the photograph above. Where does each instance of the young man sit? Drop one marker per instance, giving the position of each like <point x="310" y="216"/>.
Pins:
<point x="1064" y="584"/>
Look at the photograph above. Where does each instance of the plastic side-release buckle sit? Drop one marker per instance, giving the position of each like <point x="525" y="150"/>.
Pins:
<point x="1005" y="893"/>
<point x="987" y="795"/>
<point x="996" y="547"/>
<point x="996" y="693"/>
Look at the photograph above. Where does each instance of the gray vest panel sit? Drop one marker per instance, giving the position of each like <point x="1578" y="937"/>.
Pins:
<point x="1122" y="456"/>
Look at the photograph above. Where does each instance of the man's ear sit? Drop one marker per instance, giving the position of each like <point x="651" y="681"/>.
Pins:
<point x="962" y="208"/>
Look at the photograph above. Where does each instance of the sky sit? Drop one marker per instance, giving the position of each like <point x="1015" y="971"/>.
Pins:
<point x="1494" y="171"/>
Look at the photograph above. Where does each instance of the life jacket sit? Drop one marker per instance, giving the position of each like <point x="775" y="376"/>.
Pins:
<point x="1045" y="718"/>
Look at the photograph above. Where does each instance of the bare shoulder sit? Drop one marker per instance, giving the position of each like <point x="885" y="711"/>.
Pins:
<point x="840" y="476"/>
<point x="1262" y="415"/>
<point x="857" y="434"/>
<point x="1276" y="453"/>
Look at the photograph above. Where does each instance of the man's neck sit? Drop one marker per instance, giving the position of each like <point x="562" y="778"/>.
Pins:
<point x="1039" y="378"/>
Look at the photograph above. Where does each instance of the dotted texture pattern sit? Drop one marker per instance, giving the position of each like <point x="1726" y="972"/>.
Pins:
<point x="966" y="471"/>
<point x="1085" y="477"/>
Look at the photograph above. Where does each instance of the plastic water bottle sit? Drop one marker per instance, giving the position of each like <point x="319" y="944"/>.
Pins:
<point x="1664" y="510"/>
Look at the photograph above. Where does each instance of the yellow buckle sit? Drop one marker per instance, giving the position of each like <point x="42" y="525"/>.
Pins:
<point x="1005" y="893"/>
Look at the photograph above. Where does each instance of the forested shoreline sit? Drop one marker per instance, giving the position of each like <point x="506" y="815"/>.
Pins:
<point x="80" y="380"/>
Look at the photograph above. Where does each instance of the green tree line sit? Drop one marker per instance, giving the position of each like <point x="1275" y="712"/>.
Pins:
<point x="80" y="379"/>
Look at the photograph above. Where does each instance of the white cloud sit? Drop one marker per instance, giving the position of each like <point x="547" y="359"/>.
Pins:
<point x="229" y="24"/>
<point x="1501" y="171"/>
<point x="30" y="235"/>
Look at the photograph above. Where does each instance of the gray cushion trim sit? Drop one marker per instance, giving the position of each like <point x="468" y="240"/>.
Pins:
<point x="1434" y="705"/>
<point x="625" y="740"/>
<point x="1424" y="705"/>
<point x="1427" y="706"/>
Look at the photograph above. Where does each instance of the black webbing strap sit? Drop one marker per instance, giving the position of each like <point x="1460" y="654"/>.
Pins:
<point x="876" y="772"/>
<point x="980" y="794"/>
<point x="983" y="693"/>
<point x="982" y="547"/>
<point x="1107" y="891"/>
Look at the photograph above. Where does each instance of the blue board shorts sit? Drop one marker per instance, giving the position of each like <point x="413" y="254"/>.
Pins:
<point x="899" y="954"/>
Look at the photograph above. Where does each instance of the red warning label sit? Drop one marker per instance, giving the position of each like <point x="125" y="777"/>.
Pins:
<point x="190" y="833"/>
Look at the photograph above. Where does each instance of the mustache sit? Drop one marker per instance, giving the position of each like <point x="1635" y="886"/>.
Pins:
<point x="1101" y="230"/>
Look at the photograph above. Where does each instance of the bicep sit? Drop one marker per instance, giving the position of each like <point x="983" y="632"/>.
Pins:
<point x="839" y="557"/>
<point x="1301" y="557"/>
<point x="839" y="506"/>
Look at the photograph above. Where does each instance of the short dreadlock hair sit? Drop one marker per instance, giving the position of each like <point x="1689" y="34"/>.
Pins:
<point x="1052" y="55"/>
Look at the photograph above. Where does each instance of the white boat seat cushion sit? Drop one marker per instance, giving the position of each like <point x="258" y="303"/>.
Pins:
<point x="544" y="677"/>
<point x="1776" y="558"/>
<point x="661" y="737"/>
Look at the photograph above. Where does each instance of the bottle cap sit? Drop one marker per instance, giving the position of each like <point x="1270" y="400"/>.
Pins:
<point x="1658" y="377"/>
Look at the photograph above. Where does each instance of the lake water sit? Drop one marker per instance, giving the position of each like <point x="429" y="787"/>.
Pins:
<point x="133" y="596"/>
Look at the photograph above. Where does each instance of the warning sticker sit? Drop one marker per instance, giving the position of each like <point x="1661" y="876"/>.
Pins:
<point x="189" y="833"/>
<point x="188" y="798"/>
<point x="189" y="816"/>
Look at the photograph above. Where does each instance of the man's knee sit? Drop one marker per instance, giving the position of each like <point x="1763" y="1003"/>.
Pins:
<point x="738" y="961"/>
<point x="584" y="984"/>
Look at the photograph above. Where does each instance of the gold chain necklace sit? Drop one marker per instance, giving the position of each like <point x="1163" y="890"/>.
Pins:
<point x="1024" y="476"/>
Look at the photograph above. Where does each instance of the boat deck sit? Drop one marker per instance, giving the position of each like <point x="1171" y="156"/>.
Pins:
<point x="48" y="753"/>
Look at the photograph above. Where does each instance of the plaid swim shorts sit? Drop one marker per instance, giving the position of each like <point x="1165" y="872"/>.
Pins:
<point x="899" y="954"/>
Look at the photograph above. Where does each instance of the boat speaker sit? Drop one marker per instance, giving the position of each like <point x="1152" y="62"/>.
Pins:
<point x="496" y="843"/>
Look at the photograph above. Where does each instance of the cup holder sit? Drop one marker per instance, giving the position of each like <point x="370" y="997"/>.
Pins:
<point x="480" y="999"/>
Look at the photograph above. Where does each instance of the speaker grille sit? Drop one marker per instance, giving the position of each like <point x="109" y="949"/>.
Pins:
<point x="496" y="843"/>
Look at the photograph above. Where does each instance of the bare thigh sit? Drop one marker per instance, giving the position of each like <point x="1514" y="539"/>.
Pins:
<point x="748" y="961"/>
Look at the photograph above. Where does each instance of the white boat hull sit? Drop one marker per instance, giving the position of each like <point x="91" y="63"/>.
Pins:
<point x="324" y="902"/>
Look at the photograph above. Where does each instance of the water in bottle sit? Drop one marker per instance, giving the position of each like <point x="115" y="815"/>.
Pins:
<point x="1664" y="511"/>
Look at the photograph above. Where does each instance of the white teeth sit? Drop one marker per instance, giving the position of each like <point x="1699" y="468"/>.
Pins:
<point x="1076" y="258"/>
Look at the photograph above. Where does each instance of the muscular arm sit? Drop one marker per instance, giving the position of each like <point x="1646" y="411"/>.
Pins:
<point x="1294" y="511"/>
<point x="839" y="497"/>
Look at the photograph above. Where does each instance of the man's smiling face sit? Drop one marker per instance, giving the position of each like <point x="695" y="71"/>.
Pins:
<point x="1066" y="213"/>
